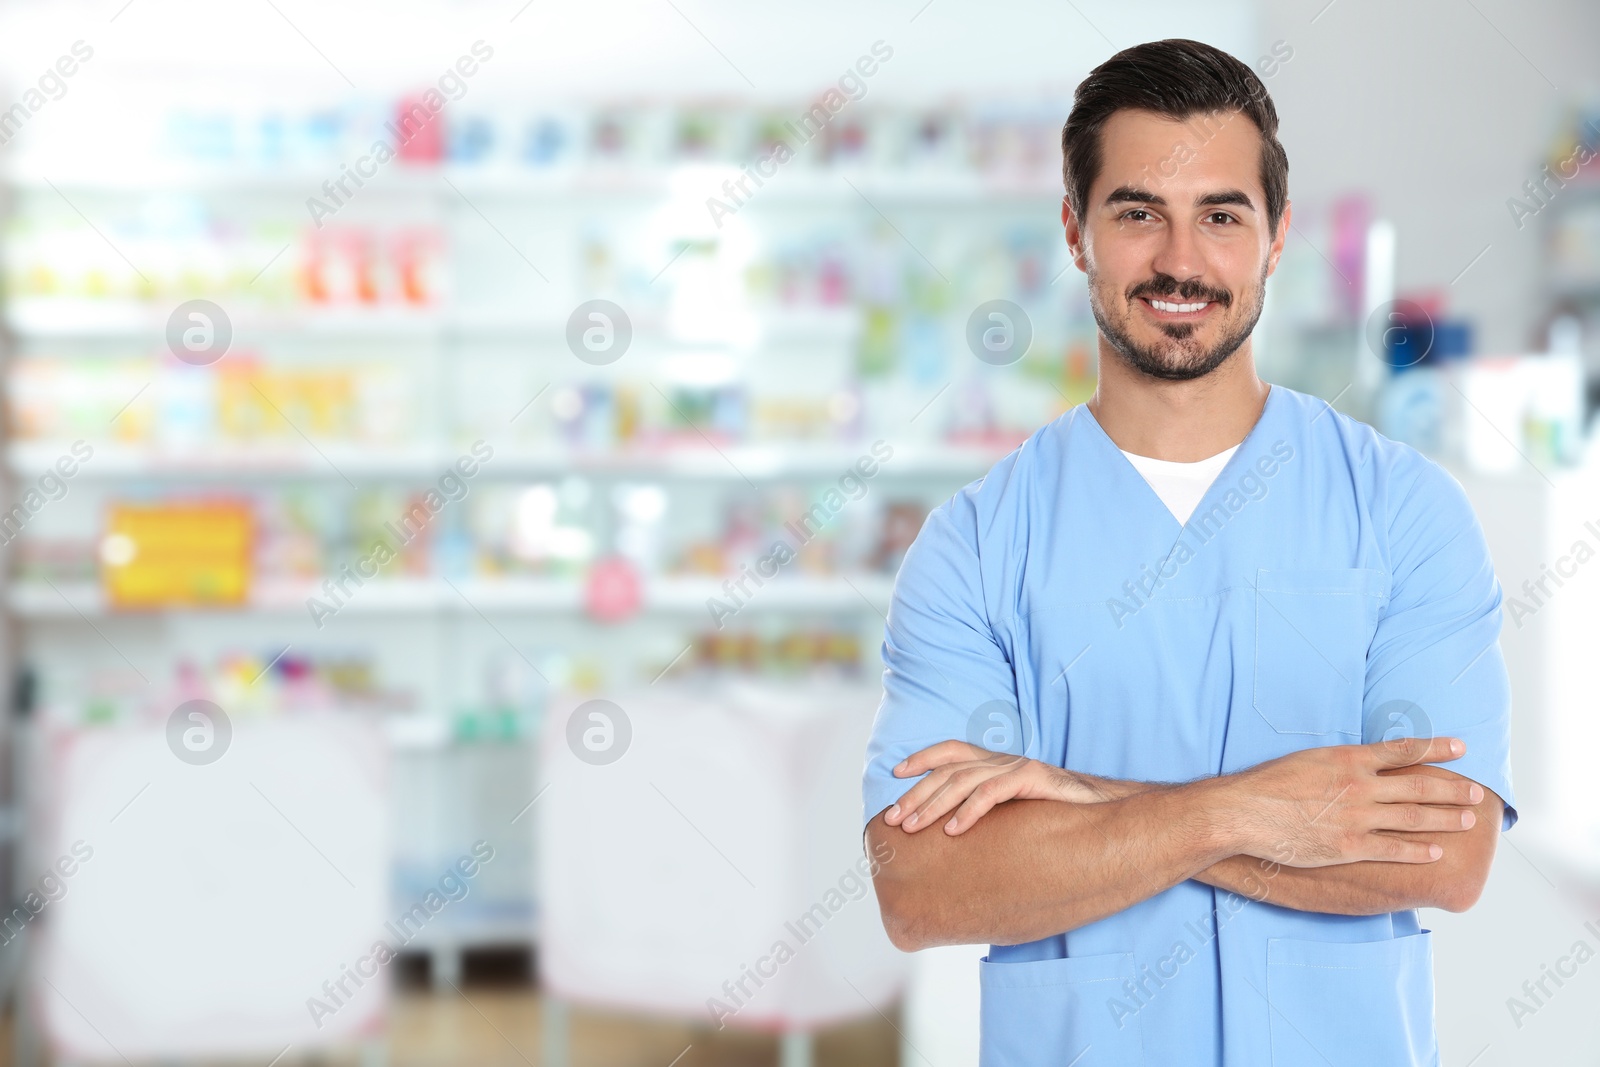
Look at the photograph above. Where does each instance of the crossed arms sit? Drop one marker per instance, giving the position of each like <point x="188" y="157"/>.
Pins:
<point x="1033" y="850"/>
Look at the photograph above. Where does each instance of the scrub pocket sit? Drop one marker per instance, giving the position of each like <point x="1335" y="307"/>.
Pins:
<point x="1313" y="629"/>
<point x="1362" y="1003"/>
<point x="1043" y="1013"/>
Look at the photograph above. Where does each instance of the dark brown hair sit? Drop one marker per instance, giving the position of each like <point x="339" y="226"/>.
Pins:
<point x="1176" y="78"/>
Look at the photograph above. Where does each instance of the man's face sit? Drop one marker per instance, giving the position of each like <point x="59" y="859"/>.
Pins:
<point x="1175" y="240"/>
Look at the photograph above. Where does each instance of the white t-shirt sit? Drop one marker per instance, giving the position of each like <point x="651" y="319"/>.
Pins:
<point x="1180" y="485"/>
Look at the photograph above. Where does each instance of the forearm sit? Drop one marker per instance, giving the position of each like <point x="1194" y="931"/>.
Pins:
<point x="1245" y="875"/>
<point x="1033" y="868"/>
<point x="1365" y="887"/>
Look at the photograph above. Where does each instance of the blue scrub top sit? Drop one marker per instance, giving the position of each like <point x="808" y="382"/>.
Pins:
<point x="1333" y="587"/>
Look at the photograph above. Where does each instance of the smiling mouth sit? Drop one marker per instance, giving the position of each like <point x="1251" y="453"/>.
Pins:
<point x="1177" y="310"/>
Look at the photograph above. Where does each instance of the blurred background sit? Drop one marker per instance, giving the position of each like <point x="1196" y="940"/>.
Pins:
<point x="457" y="456"/>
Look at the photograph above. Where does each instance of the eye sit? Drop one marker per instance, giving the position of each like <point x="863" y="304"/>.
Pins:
<point x="1135" y="211"/>
<point x="1221" y="215"/>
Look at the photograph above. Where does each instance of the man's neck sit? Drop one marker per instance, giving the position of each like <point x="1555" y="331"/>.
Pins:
<point x="1183" y="422"/>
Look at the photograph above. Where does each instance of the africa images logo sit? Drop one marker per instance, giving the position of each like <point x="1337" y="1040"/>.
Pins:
<point x="851" y="86"/>
<point x="1201" y="528"/>
<point x="451" y="487"/>
<point x="852" y="485"/>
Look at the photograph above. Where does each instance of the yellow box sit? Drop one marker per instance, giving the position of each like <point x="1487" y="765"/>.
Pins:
<point x="193" y="553"/>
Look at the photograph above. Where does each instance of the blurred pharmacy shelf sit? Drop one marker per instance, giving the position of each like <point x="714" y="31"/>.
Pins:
<point x="842" y="184"/>
<point x="778" y="461"/>
<point x="63" y="318"/>
<point x="842" y="593"/>
<point x="371" y="346"/>
<point x="1572" y="235"/>
<point x="69" y="318"/>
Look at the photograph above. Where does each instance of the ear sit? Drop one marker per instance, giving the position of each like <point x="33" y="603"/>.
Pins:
<point x="1069" y="223"/>
<point x="1275" y="251"/>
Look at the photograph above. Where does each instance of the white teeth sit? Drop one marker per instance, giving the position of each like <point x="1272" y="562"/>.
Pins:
<point x="1162" y="305"/>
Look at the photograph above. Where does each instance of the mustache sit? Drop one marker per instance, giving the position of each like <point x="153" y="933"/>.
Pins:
<point x="1166" y="287"/>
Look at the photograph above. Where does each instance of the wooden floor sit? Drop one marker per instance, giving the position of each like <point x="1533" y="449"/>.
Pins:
<point x="494" y="1027"/>
<point x="500" y="1027"/>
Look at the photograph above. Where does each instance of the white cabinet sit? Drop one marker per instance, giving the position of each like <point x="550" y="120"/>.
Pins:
<point x="1544" y="534"/>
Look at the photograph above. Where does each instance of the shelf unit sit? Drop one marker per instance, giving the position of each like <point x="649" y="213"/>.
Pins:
<point x="67" y="319"/>
<point x="437" y="635"/>
<point x="798" y="182"/>
<point x="1579" y="197"/>
<point x="681" y="596"/>
<point x="732" y="463"/>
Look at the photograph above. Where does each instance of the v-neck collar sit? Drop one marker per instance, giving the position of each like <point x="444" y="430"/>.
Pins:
<point x="1152" y="500"/>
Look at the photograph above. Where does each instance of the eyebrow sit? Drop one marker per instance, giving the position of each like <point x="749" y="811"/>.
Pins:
<point x="1227" y="196"/>
<point x="1134" y="194"/>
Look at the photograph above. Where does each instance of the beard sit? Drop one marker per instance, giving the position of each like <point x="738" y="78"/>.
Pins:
<point x="1178" y="357"/>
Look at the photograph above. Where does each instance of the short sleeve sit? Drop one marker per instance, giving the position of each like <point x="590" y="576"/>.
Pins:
<point x="1435" y="667"/>
<point x="941" y="660"/>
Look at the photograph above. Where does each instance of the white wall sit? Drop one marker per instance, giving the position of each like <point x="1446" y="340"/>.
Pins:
<point x="1427" y="105"/>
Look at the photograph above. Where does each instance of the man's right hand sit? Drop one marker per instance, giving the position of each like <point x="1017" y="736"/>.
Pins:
<point x="1322" y="806"/>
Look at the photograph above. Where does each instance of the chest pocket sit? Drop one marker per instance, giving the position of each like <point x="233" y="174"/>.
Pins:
<point x="1313" y="628"/>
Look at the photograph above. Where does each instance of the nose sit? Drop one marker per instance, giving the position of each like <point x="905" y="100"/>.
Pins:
<point x="1179" y="255"/>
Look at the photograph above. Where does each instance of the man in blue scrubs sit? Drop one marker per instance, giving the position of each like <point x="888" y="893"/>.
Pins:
<point x="1197" y="695"/>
